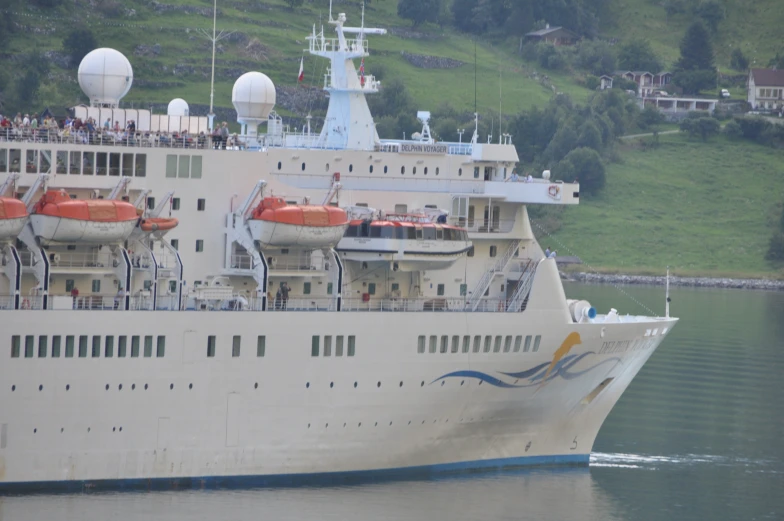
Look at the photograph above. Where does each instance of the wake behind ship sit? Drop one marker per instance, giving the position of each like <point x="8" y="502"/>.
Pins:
<point x="285" y="307"/>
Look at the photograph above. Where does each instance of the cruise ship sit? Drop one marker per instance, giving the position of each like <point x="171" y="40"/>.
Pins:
<point x="286" y="306"/>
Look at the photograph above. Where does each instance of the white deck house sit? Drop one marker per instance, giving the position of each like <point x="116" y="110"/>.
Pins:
<point x="765" y="89"/>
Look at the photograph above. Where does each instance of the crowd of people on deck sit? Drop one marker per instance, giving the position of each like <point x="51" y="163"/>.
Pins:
<point x="48" y="129"/>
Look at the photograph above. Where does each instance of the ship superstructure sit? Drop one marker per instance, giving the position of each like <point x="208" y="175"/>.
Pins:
<point x="288" y="305"/>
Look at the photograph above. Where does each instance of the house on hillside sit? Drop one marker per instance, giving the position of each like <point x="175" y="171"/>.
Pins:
<point x="554" y="35"/>
<point x="647" y="82"/>
<point x="605" y="82"/>
<point x="765" y="89"/>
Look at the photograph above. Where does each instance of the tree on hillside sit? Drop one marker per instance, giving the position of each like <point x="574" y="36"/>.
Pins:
<point x="637" y="55"/>
<point x="585" y="166"/>
<point x="711" y="12"/>
<point x="695" y="70"/>
<point x="419" y="11"/>
<point x="704" y="127"/>
<point x="738" y="60"/>
<point x="78" y="43"/>
<point x="777" y="62"/>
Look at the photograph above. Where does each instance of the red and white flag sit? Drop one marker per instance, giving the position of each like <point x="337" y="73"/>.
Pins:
<point x="362" y="73"/>
<point x="301" y="75"/>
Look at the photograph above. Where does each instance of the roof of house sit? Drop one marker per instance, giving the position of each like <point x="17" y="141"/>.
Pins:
<point x="606" y="76"/>
<point x="548" y="30"/>
<point x="771" y="77"/>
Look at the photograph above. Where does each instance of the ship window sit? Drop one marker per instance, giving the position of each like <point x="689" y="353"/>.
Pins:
<point x="477" y="343"/>
<point x="463" y="290"/>
<point x="44" y="165"/>
<point x="236" y="343"/>
<point x="421" y="344"/>
<point x="437" y="170"/>
<point x="536" y="343"/>
<point x="430" y="234"/>
<point x="61" y="162"/>
<point x="29" y="344"/>
<point x="455" y="344"/>
<point x="306" y="288"/>
<point x="211" y="346"/>
<point x="135" y="346"/>
<point x="141" y="165"/>
<point x="303" y="167"/>
<point x="114" y="164"/>
<point x="350" y="168"/>
<point x="518" y="341"/>
<point x="466" y="343"/>
<point x="96" y="285"/>
<point x="4" y="160"/>
<point x="497" y="345"/>
<point x="150" y="203"/>
<point x="108" y="347"/>
<point x="329" y="288"/>
<point x="175" y="203"/>
<point x="42" y="346"/>
<point x="425" y="170"/>
<point x="339" y="345"/>
<point x="147" y="346"/>
<point x="16" y="346"/>
<point x="122" y="342"/>
<point x="15" y="160"/>
<point x="314" y="345"/>
<point x="444" y="343"/>
<point x="508" y="344"/>
<point x="401" y="208"/>
<point x="327" y="345"/>
<point x="395" y="286"/>
<point x="488" y="342"/>
<point x="196" y="167"/>
<point x="476" y="172"/>
<point x="370" y="169"/>
<point x="82" y="346"/>
<point x="440" y="234"/>
<point x="352" y="345"/>
<point x="88" y="163"/>
<point x="175" y="243"/>
<point x="362" y="205"/>
<point x="326" y="167"/>
<point x="440" y="290"/>
<point x="493" y="251"/>
<point x="160" y="348"/>
<point x="199" y="245"/>
<point x="127" y="165"/>
<point x="201" y="204"/>
<point x="352" y="231"/>
<point x="433" y="343"/>
<point x="527" y="346"/>
<point x="101" y="159"/>
<point x="261" y="345"/>
<point x="459" y="171"/>
<point x="279" y="165"/>
<point x="402" y="170"/>
<point x="69" y="346"/>
<point x="385" y="169"/>
<point x="413" y="170"/>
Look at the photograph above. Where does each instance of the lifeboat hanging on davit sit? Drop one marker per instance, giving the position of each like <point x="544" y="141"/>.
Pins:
<point x="13" y="216"/>
<point x="56" y="218"/>
<point x="274" y="223"/>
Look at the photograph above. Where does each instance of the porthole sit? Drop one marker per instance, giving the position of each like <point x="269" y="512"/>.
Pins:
<point x="61" y="430"/>
<point x="303" y="167"/>
<point x="442" y="383"/>
<point x="326" y="426"/>
<point x="133" y="387"/>
<point x="145" y="387"/>
<point x="425" y="170"/>
<point x="350" y="168"/>
<point x="401" y="384"/>
<point x="13" y="388"/>
<point x="327" y="167"/>
<point x="40" y="387"/>
<point x="413" y="170"/>
<point x="378" y="384"/>
<point x="279" y="165"/>
<point x="371" y="169"/>
<point x="120" y="429"/>
<point x="307" y="385"/>
<point x="68" y="387"/>
<point x="308" y="426"/>
<point x="376" y="425"/>
<point x="256" y="385"/>
<point x="331" y="385"/>
<point x="344" y="425"/>
<point x="355" y="385"/>
<point x="190" y="386"/>
<point x="171" y="387"/>
<point x="88" y="429"/>
<point x="119" y="387"/>
<point x="359" y="424"/>
<point x="35" y="430"/>
<point x="385" y="169"/>
<point x="462" y="382"/>
<point x="390" y="424"/>
<point x="437" y="170"/>
<point x="107" y="387"/>
<point x="459" y="171"/>
<point x="422" y="384"/>
<point x="402" y="170"/>
<point x="114" y="429"/>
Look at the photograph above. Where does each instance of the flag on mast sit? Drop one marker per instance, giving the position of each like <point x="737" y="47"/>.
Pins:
<point x="362" y="73"/>
<point x="301" y="75"/>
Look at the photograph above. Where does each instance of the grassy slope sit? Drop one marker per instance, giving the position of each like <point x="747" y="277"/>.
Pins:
<point x="701" y="208"/>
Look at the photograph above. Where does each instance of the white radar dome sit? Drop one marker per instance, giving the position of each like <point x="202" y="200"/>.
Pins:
<point x="178" y="107"/>
<point x="105" y="76"/>
<point x="253" y="96"/>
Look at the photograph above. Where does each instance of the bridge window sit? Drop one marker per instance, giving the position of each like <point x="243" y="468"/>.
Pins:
<point x="488" y="342"/>
<point x="527" y="346"/>
<point x="440" y="290"/>
<point x="29" y="344"/>
<point x="314" y="345"/>
<point x="211" y="346"/>
<point x="15" y="160"/>
<point x="96" y="350"/>
<point x="236" y="343"/>
<point x="421" y="344"/>
<point x="56" y="346"/>
<point x="433" y="343"/>
<point x="160" y="349"/>
<point x="444" y="343"/>
<point x="108" y="347"/>
<point x="4" y="160"/>
<point x="327" y="345"/>
<point x="69" y="346"/>
<point x="82" y="346"/>
<point x="135" y="346"/>
<point x="352" y="345"/>
<point x="122" y="345"/>
<point x="518" y="341"/>
<point x="147" y="346"/>
<point x="201" y="204"/>
<point x="339" y="345"/>
<point x="455" y="343"/>
<point x="466" y="343"/>
<point x="171" y="165"/>
<point x="497" y="345"/>
<point x="508" y="344"/>
<point x="141" y="165"/>
<point x="261" y="345"/>
<point x="536" y="343"/>
<point x="16" y="346"/>
<point x="477" y="343"/>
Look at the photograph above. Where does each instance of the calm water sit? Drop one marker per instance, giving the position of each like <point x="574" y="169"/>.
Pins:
<point x="698" y="435"/>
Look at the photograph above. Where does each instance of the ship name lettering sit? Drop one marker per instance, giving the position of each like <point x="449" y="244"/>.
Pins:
<point x="408" y="148"/>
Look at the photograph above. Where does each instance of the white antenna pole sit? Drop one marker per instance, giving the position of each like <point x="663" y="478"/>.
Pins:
<point x="211" y="115"/>
<point x="500" y="118"/>
<point x="330" y="10"/>
<point x="667" y="295"/>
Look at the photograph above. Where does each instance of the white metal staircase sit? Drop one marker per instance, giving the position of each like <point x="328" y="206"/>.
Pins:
<point x="497" y="268"/>
<point x="519" y="299"/>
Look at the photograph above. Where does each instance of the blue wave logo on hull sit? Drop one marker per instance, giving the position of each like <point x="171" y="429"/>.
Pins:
<point x="535" y="376"/>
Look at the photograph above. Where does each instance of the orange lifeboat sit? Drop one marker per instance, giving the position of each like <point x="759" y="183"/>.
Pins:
<point x="58" y="218"/>
<point x="13" y="216"/>
<point x="279" y="224"/>
<point x="158" y="224"/>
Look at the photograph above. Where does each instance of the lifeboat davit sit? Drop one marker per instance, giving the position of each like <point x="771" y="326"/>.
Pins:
<point x="13" y="216"/>
<point x="411" y="242"/>
<point x="158" y="224"/>
<point x="278" y="224"/>
<point x="56" y="218"/>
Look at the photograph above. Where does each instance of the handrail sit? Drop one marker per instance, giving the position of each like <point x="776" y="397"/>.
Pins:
<point x="520" y="297"/>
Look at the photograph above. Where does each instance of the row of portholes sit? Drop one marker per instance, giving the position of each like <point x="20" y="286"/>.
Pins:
<point x="378" y="384"/>
<point x="62" y="430"/>
<point x="359" y="424"/>
<point x="119" y="387"/>
<point x="370" y="169"/>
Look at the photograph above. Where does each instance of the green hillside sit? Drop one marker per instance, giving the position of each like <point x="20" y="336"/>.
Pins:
<point x="701" y="208"/>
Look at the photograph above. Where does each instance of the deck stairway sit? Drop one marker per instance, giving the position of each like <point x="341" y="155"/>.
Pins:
<point x="519" y="299"/>
<point x="496" y="269"/>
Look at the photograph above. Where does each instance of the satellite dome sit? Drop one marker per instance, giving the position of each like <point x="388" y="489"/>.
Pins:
<point x="105" y="76"/>
<point x="253" y="96"/>
<point x="178" y="107"/>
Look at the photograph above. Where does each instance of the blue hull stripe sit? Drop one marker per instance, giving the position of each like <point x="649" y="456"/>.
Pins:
<point x="291" y="480"/>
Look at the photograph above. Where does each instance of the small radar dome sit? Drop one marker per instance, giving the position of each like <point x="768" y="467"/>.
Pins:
<point x="105" y="76"/>
<point x="253" y="97"/>
<point x="178" y="107"/>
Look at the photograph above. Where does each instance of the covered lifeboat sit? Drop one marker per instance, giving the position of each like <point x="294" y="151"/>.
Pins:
<point x="158" y="224"/>
<point x="56" y="218"/>
<point x="13" y="216"/>
<point x="275" y="223"/>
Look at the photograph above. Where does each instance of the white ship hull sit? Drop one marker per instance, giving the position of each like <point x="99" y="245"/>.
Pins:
<point x="11" y="228"/>
<point x="51" y="229"/>
<point x="289" y="415"/>
<point x="281" y="235"/>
